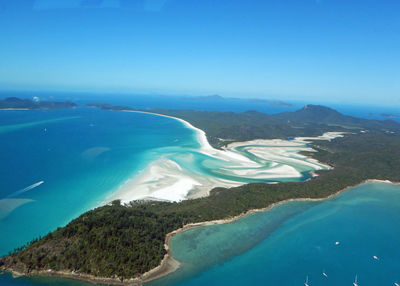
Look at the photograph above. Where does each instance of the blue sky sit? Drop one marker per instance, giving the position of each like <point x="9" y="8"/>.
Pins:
<point x="328" y="50"/>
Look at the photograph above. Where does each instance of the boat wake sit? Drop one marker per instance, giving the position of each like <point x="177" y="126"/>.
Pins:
<point x="8" y="205"/>
<point x="24" y="190"/>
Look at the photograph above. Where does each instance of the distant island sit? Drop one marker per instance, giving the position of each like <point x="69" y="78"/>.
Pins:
<point x="14" y="103"/>
<point x="389" y="115"/>
<point x="217" y="97"/>
<point x="280" y="103"/>
<point x="106" y="106"/>
<point x="128" y="244"/>
<point x="270" y="102"/>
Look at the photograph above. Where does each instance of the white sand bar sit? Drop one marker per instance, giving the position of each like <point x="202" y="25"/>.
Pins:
<point x="239" y="163"/>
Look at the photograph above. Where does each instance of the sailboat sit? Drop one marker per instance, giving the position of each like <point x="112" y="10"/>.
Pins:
<point x="355" y="283"/>
<point x="306" y="283"/>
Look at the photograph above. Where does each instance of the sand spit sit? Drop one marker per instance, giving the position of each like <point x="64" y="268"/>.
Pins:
<point x="271" y="160"/>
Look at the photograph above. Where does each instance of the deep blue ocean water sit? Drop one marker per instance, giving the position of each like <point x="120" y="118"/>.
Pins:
<point x="84" y="154"/>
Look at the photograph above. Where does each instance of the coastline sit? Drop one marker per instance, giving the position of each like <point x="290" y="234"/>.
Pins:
<point x="201" y="135"/>
<point x="168" y="264"/>
<point x="272" y="161"/>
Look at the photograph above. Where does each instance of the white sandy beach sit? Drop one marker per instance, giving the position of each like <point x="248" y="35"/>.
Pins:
<point x="272" y="160"/>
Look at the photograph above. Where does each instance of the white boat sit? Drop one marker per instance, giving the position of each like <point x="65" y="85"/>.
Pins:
<point x="375" y="257"/>
<point x="355" y="283"/>
<point x="306" y="283"/>
<point x="324" y="273"/>
<point x="396" y="284"/>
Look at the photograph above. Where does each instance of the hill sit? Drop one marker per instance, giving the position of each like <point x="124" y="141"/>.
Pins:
<point x="328" y="116"/>
<point x="311" y="120"/>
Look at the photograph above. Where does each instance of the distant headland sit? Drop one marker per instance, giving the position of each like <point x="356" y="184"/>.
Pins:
<point x="106" y="106"/>
<point x="14" y="103"/>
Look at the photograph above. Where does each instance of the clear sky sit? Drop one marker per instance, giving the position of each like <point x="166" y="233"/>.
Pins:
<point x="284" y="49"/>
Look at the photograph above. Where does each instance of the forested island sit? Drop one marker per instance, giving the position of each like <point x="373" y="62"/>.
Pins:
<point x="225" y="127"/>
<point x="106" y="106"/>
<point x="120" y="242"/>
<point x="389" y="115"/>
<point x="311" y="120"/>
<point x="18" y="103"/>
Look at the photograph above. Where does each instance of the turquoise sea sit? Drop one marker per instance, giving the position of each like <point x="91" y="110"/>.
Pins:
<point x="56" y="165"/>
<point x="298" y="239"/>
<point x="81" y="156"/>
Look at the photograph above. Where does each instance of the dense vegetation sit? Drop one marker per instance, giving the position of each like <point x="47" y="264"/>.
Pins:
<point x="107" y="241"/>
<point x="312" y="120"/>
<point x="106" y="106"/>
<point x="125" y="241"/>
<point x="14" y="102"/>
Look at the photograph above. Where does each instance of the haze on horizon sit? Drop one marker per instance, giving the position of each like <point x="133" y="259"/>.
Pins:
<point x="323" y="50"/>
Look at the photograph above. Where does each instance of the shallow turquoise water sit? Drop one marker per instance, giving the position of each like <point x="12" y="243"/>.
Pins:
<point x="58" y="164"/>
<point x="81" y="155"/>
<point x="295" y="240"/>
